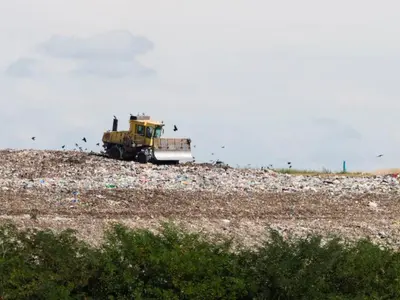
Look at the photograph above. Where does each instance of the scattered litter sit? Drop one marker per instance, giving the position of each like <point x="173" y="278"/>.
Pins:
<point x="373" y="204"/>
<point x="53" y="181"/>
<point x="75" y="200"/>
<point x="67" y="170"/>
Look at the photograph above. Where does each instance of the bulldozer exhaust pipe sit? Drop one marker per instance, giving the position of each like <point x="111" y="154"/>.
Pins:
<point x="115" y="125"/>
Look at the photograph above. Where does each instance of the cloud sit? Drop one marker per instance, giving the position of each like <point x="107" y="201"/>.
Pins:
<point x="111" y="55"/>
<point x="112" y="46"/>
<point x="23" y="67"/>
<point x="112" y="69"/>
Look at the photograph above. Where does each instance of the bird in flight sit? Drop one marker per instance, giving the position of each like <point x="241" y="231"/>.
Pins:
<point x="175" y="128"/>
<point x="33" y="138"/>
<point x="380" y="155"/>
<point x="84" y="139"/>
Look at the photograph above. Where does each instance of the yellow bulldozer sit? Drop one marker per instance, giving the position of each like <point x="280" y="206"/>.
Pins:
<point x="143" y="143"/>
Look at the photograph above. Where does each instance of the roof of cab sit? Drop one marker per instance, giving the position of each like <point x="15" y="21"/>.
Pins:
<point x="150" y="122"/>
<point x="144" y="119"/>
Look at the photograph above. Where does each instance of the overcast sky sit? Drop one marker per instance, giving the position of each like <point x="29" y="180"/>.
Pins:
<point x="311" y="82"/>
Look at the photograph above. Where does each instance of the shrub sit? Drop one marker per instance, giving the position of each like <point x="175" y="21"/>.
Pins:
<point x="172" y="265"/>
<point x="137" y="264"/>
<point x="43" y="265"/>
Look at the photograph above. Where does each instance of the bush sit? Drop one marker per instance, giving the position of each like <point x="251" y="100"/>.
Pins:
<point x="137" y="264"/>
<point x="172" y="265"/>
<point x="42" y="265"/>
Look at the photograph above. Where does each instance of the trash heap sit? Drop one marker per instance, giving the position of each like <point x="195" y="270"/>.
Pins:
<point x="28" y="169"/>
<point x="66" y="189"/>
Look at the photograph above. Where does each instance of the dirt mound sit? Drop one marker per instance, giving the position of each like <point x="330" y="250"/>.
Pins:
<point x="386" y="171"/>
<point x="65" y="189"/>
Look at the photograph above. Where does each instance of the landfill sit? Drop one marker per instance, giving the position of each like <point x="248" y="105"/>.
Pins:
<point x="70" y="189"/>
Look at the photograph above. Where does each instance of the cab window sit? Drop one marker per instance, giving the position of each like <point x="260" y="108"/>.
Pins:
<point x="149" y="132"/>
<point x="157" y="132"/>
<point x="140" y="129"/>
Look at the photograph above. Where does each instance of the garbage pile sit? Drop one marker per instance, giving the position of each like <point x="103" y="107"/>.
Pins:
<point x="74" y="170"/>
<point x="66" y="189"/>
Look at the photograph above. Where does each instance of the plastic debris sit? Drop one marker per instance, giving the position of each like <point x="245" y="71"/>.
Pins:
<point x="78" y="171"/>
<point x="53" y="181"/>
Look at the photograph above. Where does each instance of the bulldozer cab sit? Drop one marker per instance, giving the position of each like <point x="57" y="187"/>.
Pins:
<point x="149" y="133"/>
<point x="144" y="132"/>
<point x="153" y="131"/>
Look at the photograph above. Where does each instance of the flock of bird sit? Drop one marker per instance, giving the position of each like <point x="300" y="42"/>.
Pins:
<point x="98" y="144"/>
<point x="76" y="144"/>
<point x="217" y="161"/>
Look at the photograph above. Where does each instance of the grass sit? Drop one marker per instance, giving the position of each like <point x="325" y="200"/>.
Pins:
<point x="322" y="172"/>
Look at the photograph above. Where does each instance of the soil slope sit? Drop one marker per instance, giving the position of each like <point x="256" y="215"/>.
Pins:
<point x="59" y="190"/>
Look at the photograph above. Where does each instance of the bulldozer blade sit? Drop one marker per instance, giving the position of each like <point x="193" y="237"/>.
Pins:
<point x="172" y="149"/>
<point x="162" y="155"/>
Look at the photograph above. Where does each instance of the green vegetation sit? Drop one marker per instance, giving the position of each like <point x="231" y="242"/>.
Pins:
<point x="319" y="173"/>
<point x="137" y="264"/>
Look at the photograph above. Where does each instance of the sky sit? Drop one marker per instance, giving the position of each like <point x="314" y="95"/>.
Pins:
<point x="310" y="82"/>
